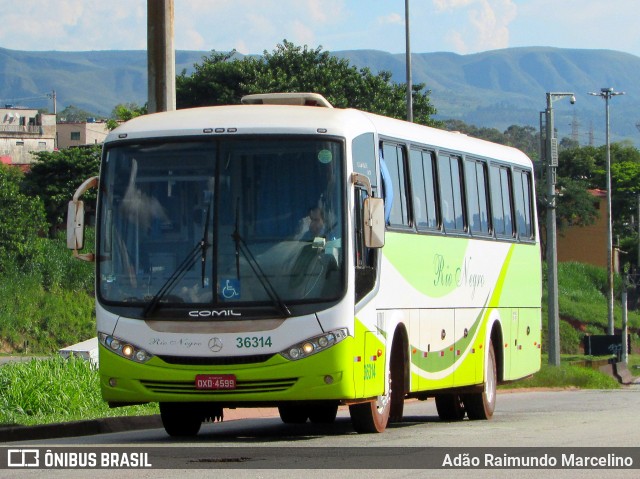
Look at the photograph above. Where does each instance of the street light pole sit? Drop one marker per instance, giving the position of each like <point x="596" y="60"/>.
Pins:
<point x="606" y="94"/>
<point x="408" y="62"/>
<point x="552" y="252"/>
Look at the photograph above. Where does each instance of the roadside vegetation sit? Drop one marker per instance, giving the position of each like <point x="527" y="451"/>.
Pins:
<point x="567" y="375"/>
<point x="43" y="391"/>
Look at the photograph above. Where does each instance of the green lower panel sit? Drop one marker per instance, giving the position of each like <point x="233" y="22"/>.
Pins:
<point x="275" y="380"/>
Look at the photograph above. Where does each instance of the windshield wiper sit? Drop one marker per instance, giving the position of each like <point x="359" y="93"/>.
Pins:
<point x="204" y="244"/>
<point x="168" y="285"/>
<point x="241" y="247"/>
<point x="199" y="249"/>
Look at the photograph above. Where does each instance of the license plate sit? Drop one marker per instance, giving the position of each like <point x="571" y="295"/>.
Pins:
<point x="215" y="381"/>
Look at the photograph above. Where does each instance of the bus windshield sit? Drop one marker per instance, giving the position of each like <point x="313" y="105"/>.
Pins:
<point x="245" y="222"/>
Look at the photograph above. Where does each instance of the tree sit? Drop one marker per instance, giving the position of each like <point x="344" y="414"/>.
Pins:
<point x="524" y="138"/>
<point x="125" y="112"/>
<point x="56" y="175"/>
<point x="22" y="220"/>
<point x="221" y="79"/>
<point x="74" y="114"/>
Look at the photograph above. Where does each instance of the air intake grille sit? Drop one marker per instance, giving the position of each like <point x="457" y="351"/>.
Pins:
<point x="216" y="361"/>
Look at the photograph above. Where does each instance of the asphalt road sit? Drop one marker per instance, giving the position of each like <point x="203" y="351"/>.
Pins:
<point x="265" y="447"/>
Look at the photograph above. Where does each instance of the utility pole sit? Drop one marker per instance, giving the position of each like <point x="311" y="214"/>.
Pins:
<point x="161" y="61"/>
<point x="408" y="63"/>
<point x="606" y="94"/>
<point x="624" y="357"/>
<point x="552" y="252"/>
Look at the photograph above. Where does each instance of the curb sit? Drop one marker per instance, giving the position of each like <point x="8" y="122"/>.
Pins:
<point x="106" y="425"/>
<point x="79" y="428"/>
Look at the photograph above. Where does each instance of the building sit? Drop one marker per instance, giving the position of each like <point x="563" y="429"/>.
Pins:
<point x="23" y="131"/>
<point x="91" y="132"/>
<point x="588" y="244"/>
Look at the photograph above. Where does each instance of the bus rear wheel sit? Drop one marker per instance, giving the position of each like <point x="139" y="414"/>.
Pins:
<point x="481" y="405"/>
<point x="180" y="420"/>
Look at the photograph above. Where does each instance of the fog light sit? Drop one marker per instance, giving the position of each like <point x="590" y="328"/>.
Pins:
<point x="328" y="379"/>
<point x="113" y="382"/>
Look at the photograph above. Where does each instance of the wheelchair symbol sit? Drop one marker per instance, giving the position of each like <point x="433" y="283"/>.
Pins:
<point x="231" y="289"/>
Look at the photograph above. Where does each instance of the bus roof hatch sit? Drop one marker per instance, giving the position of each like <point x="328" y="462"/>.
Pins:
<point x="301" y="99"/>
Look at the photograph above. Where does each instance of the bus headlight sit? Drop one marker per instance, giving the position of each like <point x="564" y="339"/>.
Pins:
<point x="314" y="345"/>
<point x="124" y="349"/>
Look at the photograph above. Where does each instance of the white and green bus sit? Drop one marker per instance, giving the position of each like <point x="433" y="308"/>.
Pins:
<point x="286" y="253"/>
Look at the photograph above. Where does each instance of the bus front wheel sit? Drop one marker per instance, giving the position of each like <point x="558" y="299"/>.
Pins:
<point x="371" y="417"/>
<point x="179" y="419"/>
<point x="323" y="413"/>
<point x="293" y="413"/>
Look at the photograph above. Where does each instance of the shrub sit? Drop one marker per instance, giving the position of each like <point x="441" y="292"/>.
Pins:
<point x="22" y="220"/>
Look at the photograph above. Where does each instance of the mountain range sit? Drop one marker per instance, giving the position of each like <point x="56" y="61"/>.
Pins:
<point x="495" y="89"/>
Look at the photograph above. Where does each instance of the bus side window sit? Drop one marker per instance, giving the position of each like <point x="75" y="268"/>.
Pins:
<point x="476" y="176"/>
<point x="451" y="191"/>
<point x="394" y="158"/>
<point x="422" y="166"/>
<point x="522" y="192"/>
<point x="501" y="201"/>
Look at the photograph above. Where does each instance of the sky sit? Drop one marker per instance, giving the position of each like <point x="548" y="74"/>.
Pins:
<point x="253" y="26"/>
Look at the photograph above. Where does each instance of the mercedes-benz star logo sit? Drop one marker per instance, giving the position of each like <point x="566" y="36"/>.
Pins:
<point x="215" y="344"/>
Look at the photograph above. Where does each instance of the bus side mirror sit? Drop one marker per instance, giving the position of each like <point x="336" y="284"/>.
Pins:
<point x="75" y="225"/>
<point x="373" y="215"/>
<point x="75" y="220"/>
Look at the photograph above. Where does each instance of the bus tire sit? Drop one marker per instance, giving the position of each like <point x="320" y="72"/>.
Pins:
<point x="397" y="382"/>
<point x="293" y="413"/>
<point x="450" y="407"/>
<point x="179" y="420"/>
<point x="372" y="416"/>
<point x="481" y="405"/>
<point x="323" y="413"/>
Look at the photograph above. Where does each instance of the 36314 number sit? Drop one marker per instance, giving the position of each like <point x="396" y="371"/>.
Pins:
<point x="248" y="342"/>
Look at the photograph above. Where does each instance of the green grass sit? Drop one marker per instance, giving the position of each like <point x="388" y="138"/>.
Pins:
<point x="565" y="376"/>
<point x="582" y="296"/>
<point x="582" y="300"/>
<point x="43" y="391"/>
<point x="49" y="305"/>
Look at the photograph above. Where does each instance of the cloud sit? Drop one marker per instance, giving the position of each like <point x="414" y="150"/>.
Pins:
<point x="443" y="5"/>
<point x="391" y="19"/>
<point x="74" y="25"/>
<point x="488" y="20"/>
<point x="251" y="26"/>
